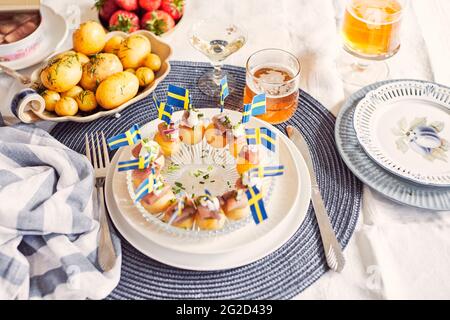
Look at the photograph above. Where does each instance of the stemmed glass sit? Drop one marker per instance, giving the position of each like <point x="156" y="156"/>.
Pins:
<point x="217" y="40"/>
<point x="370" y="31"/>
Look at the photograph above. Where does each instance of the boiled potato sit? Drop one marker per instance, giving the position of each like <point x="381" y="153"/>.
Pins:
<point x="117" y="89"/>
<point x="66" y="106"/>
<point x="82" y="58"/>
<point x="50" y="98"/>
<point x="145" y="76"/>
<point x="100" y="67"/>
<point x="89" y="38"/>
<point x="153" y="62"/>
<point x="130" y="70"/>
<point x="133" y="51"/>
<point x="86" y="100"/>
<point x="72" y="92"/>
<point x="113" y="44"/>
<point x="62" y="73"/>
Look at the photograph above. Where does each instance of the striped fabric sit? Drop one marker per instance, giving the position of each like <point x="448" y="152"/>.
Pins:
<point x="48" y="233"/>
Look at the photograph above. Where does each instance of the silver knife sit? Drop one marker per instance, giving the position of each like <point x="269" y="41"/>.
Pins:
<point x="333" y="250"/>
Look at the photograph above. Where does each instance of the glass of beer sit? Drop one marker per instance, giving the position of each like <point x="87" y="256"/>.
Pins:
<point x="370" y="30"/>
<point x="276" y="73"/>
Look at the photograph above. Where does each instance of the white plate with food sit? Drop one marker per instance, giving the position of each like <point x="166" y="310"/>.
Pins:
<point x="50" y="33"/>
<point x="289" y="196"/>
<point x="238" y="248"/>
<point x="405" y="127"/>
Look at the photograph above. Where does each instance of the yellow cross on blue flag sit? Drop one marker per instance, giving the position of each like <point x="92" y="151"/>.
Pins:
<point x="164" y="111"/>
<point x="268" y="171"/>
<point x="259" y="104"/>
<point x="256" y="203"/>
<point x="145" y="188"/>
<point x="178" y="97"/>
<point x="263" y="136"/>
<point x="136" y="164"/>
<point x="127" y="138"/>
<point x="224" y="92"/>
<point x="246" y="113"/>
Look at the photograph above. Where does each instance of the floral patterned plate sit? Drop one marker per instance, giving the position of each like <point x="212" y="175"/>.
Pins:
<point x="405" y="127"/>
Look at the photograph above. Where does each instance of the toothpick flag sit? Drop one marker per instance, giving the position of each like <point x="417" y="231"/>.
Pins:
<point x="164" y="110"/>
<point x="140" y="163"/>
<point x="262" y="136"/>
<point x="146" y="187"/>
<point x="178" y="97"/>
<point x="246" y="113"/>
<point x="256" y="108"/>
<point x="268" y="171"/>
<point x="224" y="92"/>
<point x="127" y="138"/>
<point x="258" y="104"/>
<point x="255" y="200"/>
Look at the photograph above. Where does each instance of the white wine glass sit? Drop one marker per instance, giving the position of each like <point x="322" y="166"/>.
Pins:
<point x="217" y="40"/>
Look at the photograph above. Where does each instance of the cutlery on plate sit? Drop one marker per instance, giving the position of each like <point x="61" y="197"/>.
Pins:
<point x="332" y="248"/>
<point x="97" y="153"/>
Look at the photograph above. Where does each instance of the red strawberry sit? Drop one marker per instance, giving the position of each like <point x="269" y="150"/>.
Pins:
<point x="106" y="8"/>
<point x="173" y="7"/>
<point x="149" y="5"/>
<point x="123" y="20"/>
<point x="129" y="5"/>
<point x="157" y="21"/>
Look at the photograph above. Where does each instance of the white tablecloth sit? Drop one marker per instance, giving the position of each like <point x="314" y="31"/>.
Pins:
<point x="396" y="251"/>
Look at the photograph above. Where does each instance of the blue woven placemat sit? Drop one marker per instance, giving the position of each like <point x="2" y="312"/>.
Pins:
<point x="280" y="275"/>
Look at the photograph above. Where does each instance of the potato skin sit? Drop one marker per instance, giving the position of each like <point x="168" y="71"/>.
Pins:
<point x="113" y="44"/>
<point x="100" y="67"/>
<point x="133" y="51"/>
<point x="50" y="98"/>
<point x="72" y="92"/>
<point x="89" y="38"/>
<point x="62" y="73"/>
<point x="117" y="89"/>
<point x="66" y="106"/>
<point x="86" y="101"/>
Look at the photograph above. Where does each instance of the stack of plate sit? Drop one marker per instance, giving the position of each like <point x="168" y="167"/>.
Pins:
<point x="395" y="137"/>
<point x="287" y="206"/>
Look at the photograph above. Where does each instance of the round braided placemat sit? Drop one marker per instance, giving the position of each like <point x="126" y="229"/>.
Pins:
<point x="280" y="275"/>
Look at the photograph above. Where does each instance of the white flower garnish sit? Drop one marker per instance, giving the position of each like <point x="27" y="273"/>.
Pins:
<point x="151" y="148"/>
<point x="212" y="203"/>
<point x="238" y="130"/>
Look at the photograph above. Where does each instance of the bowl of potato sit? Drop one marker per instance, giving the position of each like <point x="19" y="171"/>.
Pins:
<point x="103" y="74"/>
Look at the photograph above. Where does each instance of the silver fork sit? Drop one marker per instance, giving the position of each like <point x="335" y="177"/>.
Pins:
<point x="97" y="153"/>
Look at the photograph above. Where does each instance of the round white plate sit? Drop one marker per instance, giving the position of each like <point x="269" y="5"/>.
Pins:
<point x="55" y="32"/>
<point x="288" y="190"/>
<point x="244" y="255"/>
<point x="405" y="127"/>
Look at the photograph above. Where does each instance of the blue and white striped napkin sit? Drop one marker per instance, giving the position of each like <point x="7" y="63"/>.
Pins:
<point x="48" y="229"/>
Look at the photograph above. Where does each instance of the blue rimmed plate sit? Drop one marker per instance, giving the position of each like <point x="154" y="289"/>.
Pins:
<point x="404" y="126"/>
<point x="370" y="173"/>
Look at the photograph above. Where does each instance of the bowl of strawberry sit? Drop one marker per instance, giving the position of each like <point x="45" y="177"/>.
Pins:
<point x="157" y="16"/>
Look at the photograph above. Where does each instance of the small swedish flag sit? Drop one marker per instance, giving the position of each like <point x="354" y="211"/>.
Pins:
<point x="145" y="188"/>
<point x="246" y="113"/>
<point x="178" y="97"/>
<point x="127" y="138"/>
<point x="164" y="111"/>
<point x="263" y="136"/>
<point x="140" y="163"/>
<point x="259" y="104"/>
<point x="255" y="200"/>
<point x="268" y="171"/>
<point x="224" y="92"/>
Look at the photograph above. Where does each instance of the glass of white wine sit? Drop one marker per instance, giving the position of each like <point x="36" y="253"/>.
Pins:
<point x="217" y="40"/>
